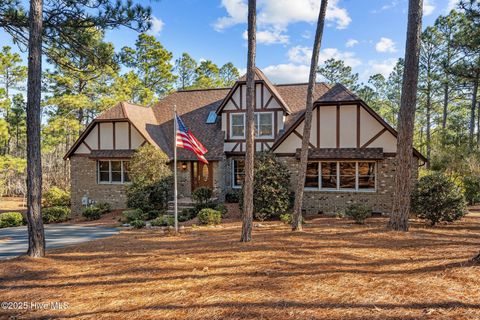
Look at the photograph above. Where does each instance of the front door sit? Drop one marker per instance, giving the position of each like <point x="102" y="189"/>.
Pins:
<point x="202" y="175"/>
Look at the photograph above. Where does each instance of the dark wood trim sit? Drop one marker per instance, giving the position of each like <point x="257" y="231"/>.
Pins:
<point x="318" y="127"/>
<point x="275" y="124"/>
<point x="143" y="143"/>
<point x="113" y="131"/>
<point x="241" y="146"/>
<point x="256" y="139"/>
<point x="268" y="101"/>
<point x="285" y="154"/>
<point x="228" y="125"/>
<point x="301" y="138"/>
<point x="86" y="145"/>
<point x="267" y="145"/>
<point x="234" y="103"/>
<point x="129" y="136"/>
<point x="358" y="126"/>
<point x="244" y="111"/>
<point x="375" y="137"/>
<point x="338" y="126"/>
<point x="235" y="147"/>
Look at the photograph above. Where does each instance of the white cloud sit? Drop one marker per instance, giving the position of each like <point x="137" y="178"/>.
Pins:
<point x="452" y="4"/>
<point x="287" y="73"/>
<point x="385" y="45"/>
<point x="156" y="27"/>
<point x="428" y="7"/>
<point x="280" y="13"/>
<point x="237" y="13"/>
<point x="303" y="55"/>
<point x="384" y="67"/>
<point x="351" y="43"/>
<point x="269" y="37"/>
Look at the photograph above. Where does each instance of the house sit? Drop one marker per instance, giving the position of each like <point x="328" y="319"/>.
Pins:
<point x="351" y="156"/>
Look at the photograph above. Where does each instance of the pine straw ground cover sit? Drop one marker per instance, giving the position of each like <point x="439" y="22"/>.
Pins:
<point x="332" y="270"/>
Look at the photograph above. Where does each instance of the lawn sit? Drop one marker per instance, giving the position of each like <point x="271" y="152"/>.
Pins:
<point x="332" y="270"/>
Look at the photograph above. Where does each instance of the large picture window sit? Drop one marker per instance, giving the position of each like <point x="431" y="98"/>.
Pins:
<point x="341" y="176"/>
<point x="238" y="173"/>
<point x="113" y="171"/>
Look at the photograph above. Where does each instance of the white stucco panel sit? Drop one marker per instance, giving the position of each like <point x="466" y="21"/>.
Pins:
<point x="348" y="126"/>
<point x="328" y="127"/>
<point x="137" y="138"/>
<point x="106" y="136"/>
<point x="92" y="138"/>
<point x="290" y="144"/>
<point x="82" y="149"/>
<point x="369" y="126"/>
<point x="236" y="97"/>
<point x="386" y="141"/>
<point x="121" y="135"/>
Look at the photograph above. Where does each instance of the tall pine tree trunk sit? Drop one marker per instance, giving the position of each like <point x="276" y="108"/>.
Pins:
<point x="428" y="111"/>
<point x="403" y="181"/>
<point x="36" y="236"/>
<point x="250" y="129"/>
<point x="472" y="115"/>
<point x="297" y="209"/>
<point x="445" y="104"/>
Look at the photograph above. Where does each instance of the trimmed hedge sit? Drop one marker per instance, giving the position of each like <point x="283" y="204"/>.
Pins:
<point x="92" y="213"/>
<point x="132" y="215"/>
<point x="358" y="212"/>
<point x="56" y="197"/>
<point x="137" y="224"/>
<point x="163" y="221"/>
<point x="209" y="216"/>
<point x="11" y="219"/>
<point x="55" y="214"/>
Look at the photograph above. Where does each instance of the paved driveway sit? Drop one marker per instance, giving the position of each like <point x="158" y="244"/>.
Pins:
<point x="14" y="241"/>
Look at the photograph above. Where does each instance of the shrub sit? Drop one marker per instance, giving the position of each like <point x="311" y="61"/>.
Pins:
<point x="202" y="195"/>
<point x="232" y="197"/>
<point x="222" y="208"/>
<point x="271" y="195"/>
<point x="137" y="224"/>
<point x="163" y="221"/>
<point x="152" y="180"/>
<point x="104" y="207"/>
<point x="209" y="216"/>
<point x="436" y="198"/>
<point x="10" y="219"/>
<point x="187" y="214"/>
<point x="92" y="213"/>
<point x="286" y="218"/>
<point x="358" y="212"/>
<point x="132" y="215"/>
<point x="56" y="197"/>
<point x="153" y="214"/>
<point x="471" y="185"/>
<point x="55" y="214"/>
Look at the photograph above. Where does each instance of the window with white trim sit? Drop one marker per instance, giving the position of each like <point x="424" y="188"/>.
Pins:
<point x="113" y="171"/>
<point x="264" y="125"/>
<point x="238" y="172"/>
<point x="341" y="176"/>
<point x="237" y="125"/>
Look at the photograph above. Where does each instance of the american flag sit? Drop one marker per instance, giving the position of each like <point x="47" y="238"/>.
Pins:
<point x="186" y="140"/>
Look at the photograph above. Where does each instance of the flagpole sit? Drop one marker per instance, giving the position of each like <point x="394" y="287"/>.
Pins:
<point x="175" y="167"/>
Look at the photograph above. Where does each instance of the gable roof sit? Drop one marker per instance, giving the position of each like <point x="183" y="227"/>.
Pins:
<point x="259" y="76"/>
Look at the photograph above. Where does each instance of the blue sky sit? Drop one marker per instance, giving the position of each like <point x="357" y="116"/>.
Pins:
<point x="368" y="34"/>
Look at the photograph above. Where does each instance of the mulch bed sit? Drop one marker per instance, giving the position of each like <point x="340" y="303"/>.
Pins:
<point x="334" y="269"/>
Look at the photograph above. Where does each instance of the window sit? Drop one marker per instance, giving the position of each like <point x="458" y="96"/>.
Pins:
<point x="238" y="173"/>
<point x="311" y="179"/>
<point x="341" y="176"/>
<point x="264" y="125"/>
<point x="110" y="171"/>
<point x="237" y="125"/>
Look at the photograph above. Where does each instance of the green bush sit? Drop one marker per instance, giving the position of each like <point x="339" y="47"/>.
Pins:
<point x="11" y="219"/>
<point x="222" y="208"/>
<point x="92" y="213"/>
<point x="286" y="218"/>
<point x="163" y="221"/>
<point x="153" y="214"/>
<point x="232" y="197"/>
<point x="202" y="195"/>
<point x="152" y="180"/>
<point x="56" y="197"/>
<point x="471" y="185"/>
<point x="187" y="214"/>
<point x="209" y="216"/>
<point x="137" y="224"/>
<point x="358" y="212"/>
<point x="55" y="214"/>
<point x="271" y="195"/>
<point x="104" y="207"/>
<point x="132" y="215"/>
<point x="436" y="198"/>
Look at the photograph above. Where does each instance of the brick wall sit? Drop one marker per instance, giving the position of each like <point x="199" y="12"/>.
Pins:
<point x="331" y="202"/>
<point x="84" y="182"/>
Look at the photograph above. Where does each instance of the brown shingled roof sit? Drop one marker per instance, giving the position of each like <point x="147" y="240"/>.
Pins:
<point x="338" y="93"/>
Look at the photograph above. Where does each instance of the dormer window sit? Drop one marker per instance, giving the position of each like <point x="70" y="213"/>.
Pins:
<point x="263" y="125"/>
<point x="237" y="125"/>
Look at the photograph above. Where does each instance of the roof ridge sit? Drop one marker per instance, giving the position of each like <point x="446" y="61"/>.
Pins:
<point x="125" y="114"/>
<point x="203" y="89"/>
